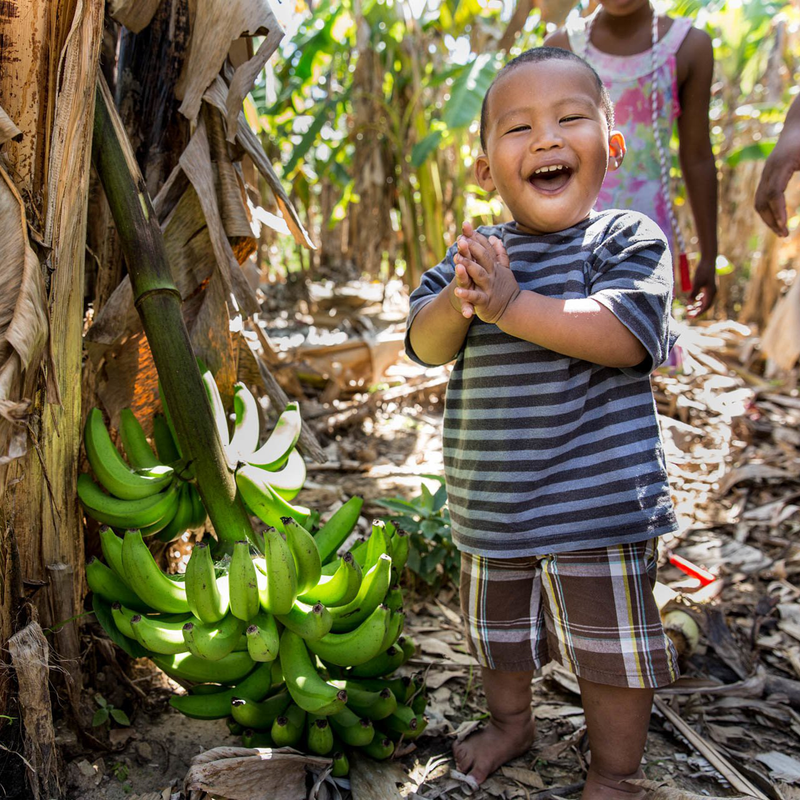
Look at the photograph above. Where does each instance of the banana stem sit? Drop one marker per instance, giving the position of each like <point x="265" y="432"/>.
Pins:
<point x="159" y="305"/>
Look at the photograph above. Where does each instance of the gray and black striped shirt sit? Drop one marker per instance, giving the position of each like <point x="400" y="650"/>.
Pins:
<point x="545" y="453"/>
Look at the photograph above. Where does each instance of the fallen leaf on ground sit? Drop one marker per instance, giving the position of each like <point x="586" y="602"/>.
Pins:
<point x="526" y="776"/>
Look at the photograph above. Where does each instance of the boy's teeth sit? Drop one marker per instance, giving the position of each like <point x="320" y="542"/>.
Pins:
<point x="551" y="168"/>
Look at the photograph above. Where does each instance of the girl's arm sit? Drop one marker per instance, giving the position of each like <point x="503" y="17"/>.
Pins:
<point x="697" y="160"/>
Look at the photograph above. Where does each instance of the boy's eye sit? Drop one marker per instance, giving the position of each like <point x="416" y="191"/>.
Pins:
<point x="518" y="128"/>
<point x="572" y="118"/>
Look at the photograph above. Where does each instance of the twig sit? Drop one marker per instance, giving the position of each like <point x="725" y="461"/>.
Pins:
<point x="558" y="791"/>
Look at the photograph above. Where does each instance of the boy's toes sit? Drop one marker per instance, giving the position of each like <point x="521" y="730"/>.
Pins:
<point x="463" y="756"/>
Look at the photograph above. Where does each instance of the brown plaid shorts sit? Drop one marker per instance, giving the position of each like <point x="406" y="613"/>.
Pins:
<point x="592" y="611"/>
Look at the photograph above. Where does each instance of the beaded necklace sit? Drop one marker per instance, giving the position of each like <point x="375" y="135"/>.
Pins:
<point x="683" y="261"/>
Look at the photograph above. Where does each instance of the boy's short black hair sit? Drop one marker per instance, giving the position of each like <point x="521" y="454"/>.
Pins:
<point x="534" y="56"/>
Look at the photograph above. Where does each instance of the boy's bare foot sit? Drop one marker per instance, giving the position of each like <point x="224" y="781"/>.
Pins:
<point x="480" y="754"/>
<point x="606" y="787"/>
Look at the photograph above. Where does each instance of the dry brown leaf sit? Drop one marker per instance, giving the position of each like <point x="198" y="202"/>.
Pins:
<point x="662" y="791"/>
<point x="217" y="96"/>
<point x="525" y="776"/>
<point x="217" y="24"/>
<point x="375" y="780"/>
<point x="135" y="15"/>
<point x="238" y="773"/>
<point x="781" y="339"/>
<point x="8" y="130"/>
<point x="23" y="321"/>
<point x="750" y="472"/>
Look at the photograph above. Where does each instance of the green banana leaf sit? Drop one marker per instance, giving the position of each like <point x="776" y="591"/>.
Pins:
<point x="757" y="151"/>
<point x="468" y="91"/>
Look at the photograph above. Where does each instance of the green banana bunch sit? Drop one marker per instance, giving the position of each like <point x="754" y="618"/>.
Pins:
<point x="394" y="598"/>
<point x="383" y="664"/>
<point x="103" y="581"/>
<point x="245" y="428"/>
<point x="146" y="578"/>
<point x="310" y="623"/>
<point x="319" y="735"/>
<point x="419" y="702"/>
<point x="278" y="566"/>
<point x="185" y="666"/>
<point x="260" y="739"/>
<point x="307" y="688"/>
<point x="402" y="688"/>
<point x="340" y="587"/>
<point x="357" y="646"/>
<point x="394" y="628"/>
<point x="259" y="715"/>
<point x="208" y="596"/>
<point x="242" y="583"/>
<point x="352" y="729"/>
<point x="408" y="646"/>
<point x="111" y="545"/>
<point x="367" y="553"/>
<point x="340" y="766"/>
<point x="332" y="534"/>
<point x="380" y="748"/>
<point x="264" y="501"/>
<point x="288" y="728"/>
<point x="157" y="635"/>
<point x="404" y="722"/>
<point x="304" y="551"/>
<point x="400" y="542"/>
<point x="263" y="639"/>
<point x="213" y="642"/>
<point x="112" y="470"/>
<point x="122" y="619"/>
<point x="274" y="452"/>
<point x="166" y="445"/>
<point x="140" y="454"/>
<point x="367" y="702"/>
<point x="370" y="595"/>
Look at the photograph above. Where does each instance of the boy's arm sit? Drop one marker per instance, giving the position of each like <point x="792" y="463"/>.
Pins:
<point x="439" y="329"/>
<point x="697" y="162"/>
<point x="781" y="164"/>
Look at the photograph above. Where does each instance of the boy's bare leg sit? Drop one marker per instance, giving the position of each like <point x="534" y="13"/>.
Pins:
<point x="617" y="720"/>
<point x="510" y="730"/>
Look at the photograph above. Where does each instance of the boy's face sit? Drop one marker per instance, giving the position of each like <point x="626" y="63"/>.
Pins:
<point x="548" y="146"/>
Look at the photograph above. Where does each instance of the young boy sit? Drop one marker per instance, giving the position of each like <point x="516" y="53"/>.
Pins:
<point x="555" y="472"/>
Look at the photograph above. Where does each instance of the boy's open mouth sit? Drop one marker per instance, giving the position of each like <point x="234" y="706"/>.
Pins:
<point x="550" y="178"/>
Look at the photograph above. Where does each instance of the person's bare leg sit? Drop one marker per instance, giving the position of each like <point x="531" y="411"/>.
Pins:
<point x="617" y="720"/>
<point x="510" y="730"/>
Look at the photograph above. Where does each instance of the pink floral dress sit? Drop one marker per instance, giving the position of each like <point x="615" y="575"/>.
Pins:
<point x="629" y="79"/>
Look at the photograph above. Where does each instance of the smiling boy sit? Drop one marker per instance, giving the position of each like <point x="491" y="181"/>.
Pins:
<point x="555" y="472"/>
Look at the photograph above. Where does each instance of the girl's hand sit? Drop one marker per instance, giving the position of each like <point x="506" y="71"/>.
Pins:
<point x="704" y="288"/>
<point x="490" y="270"/>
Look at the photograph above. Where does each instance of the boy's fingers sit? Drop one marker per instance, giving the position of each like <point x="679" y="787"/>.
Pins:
<point x="500" y="251"/>
<point x="467" y="310"/>
<point x="473" y="297"/>
<point x="476" y="272"/>
<point x="466" y="227"/>
<point x="482" y="252"/>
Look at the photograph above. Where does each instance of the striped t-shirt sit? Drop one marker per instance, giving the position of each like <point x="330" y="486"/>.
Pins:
<point x="544" y="453"/>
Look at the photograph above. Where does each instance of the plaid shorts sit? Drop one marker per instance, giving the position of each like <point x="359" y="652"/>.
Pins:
<point x="592" y="611"/>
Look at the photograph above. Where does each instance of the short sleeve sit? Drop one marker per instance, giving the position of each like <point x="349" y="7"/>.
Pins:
<point x="632" y="278"/>
<point x="433" y="281"/>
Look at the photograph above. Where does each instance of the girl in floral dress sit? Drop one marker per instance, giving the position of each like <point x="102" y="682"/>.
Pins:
<point x="657" y="70"/>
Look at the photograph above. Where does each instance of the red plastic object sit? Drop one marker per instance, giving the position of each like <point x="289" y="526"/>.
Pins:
<point x="683" y="270"/>
<point x="684" y="565"/>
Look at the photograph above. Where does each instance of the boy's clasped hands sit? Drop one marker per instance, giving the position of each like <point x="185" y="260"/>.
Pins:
<point x="484" y="284"/>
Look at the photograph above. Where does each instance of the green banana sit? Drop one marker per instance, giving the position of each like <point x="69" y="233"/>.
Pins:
<point x="242" y="583"/>
<point x="394" y="598"/>
<point x="263" y="639"/>
<point x="207" y="596"/>
<point x="283" y="438"/>
<point x="112" y="470"/>
<point x="352" y="729"/>
<point x="403" y="688"/>
<point x="356" y="646"/>
<point x="331" y="535"/>
<point x="218" y="409"/>
<point x="340" y="766"/>
<point x="147" y="580"/>
<point x="377" y="544"/>
<point x="280" y="591"/>
<point x="111" y="545"/>
<point x="288" y="727"/>
<point x="103" y="581"/>
<point x="259" y="715"/>
<point x="380" y="748"/>
<point x="123" y="514"/>
<point x="319" y="735"/>
<point x="178" y="525"/>
<point x="263" y="500"/>
<point x="307" y="688"/>
<point x="251" y="738"/>
<point x="367" y="703"/>
<point x="394" y="628"/>
<point x="400" y="543"/>
<point x="289" y="479"/>
<point x="245" y="429"/>
<point x="307" y="562"/>
<point x="158" y="636"/>
<point x="122" y="619"/>
<point x="339" y="588"/>
<point x="383" y="664"/>
<point x="140" y="454"/>
<point x="408" y="646"/>
<point x="233" y="726"/>
<point x="166" y="446"/>
<point x="404" y="722"/>
<point x="419" y="702"/>
<point x="198" y="518"/>
<point x="255" y="686"/>
<point x="370" y="595"/>
<point x="214" y="641"/>
<point x="228" y="670"/>
<point x="309" y="622"/>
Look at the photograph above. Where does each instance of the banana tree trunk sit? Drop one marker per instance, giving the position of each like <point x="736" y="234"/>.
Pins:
<point x="159" y="305"/>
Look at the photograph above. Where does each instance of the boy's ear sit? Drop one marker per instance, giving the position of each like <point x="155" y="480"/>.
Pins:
<point x="616" y="150"/>
<point x="483" y="173"/>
